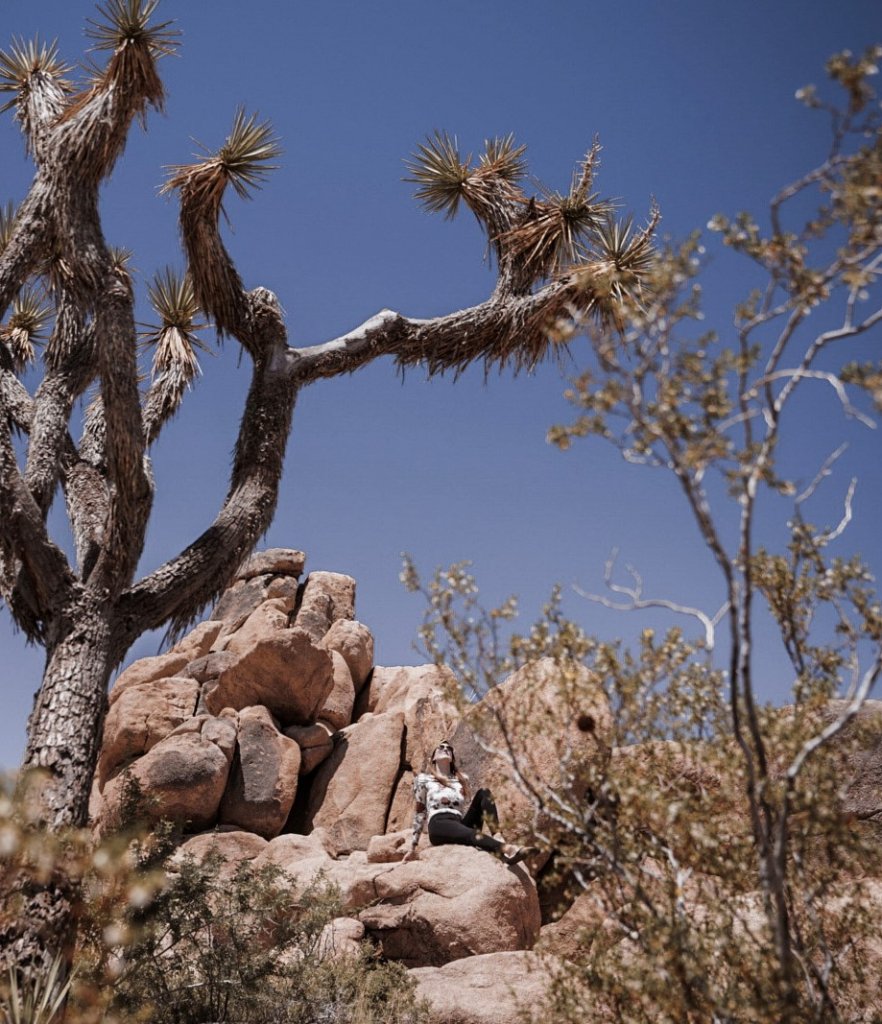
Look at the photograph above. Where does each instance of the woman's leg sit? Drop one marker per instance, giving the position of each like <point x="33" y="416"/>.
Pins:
<point x="454" y="831"/>
<point x="482" y="812"/>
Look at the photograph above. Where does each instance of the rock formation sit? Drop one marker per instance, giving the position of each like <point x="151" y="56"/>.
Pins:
<point x="268" y="735"/>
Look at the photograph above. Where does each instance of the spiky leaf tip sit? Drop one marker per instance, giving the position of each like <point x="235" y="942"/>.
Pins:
<point x="27" y="59"/>
<point x="440" y="174"/>
<point x="26" y="327"/>
<point x="174" y="340"/>
<point x="503" y="159"/>
<point x="244" y="161"/>
<point x="127" y="23"/>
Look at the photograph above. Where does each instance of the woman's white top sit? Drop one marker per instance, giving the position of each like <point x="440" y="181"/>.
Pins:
<point x="436" y="797"/>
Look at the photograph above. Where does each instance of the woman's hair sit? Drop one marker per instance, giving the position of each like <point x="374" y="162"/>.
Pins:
<point x="454" y="771"/>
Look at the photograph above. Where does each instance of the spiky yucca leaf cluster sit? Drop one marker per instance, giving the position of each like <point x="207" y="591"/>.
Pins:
<point x="557" y="225"/>
<point x="135" y="46"/>
<point x="443" y="178"/>
<point x="26" y="327"/>
<point x="174" y="340"/>
<point x="243" y="161"/>
<point x="26" y="60"/>
<point x="615" y="266"/>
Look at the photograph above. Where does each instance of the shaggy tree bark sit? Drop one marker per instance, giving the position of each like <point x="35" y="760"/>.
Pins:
<point x="88" y="613"/>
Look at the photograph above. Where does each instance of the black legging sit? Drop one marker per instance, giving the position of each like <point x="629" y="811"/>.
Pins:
<point x="447" y="827"/>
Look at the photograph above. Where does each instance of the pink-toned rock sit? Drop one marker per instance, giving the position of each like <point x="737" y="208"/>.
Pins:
<point x="337" y="707"/>
<point x="147" y="670"/>
<point x="182" y="778"/>
<point x="263" y="782"/>
<point x="199" y="640"/>
<point x="327" y="597"/>
<point x="401" y="808"/>
<point x="391" y="847"/>
<point x="496" y="988"/>
<point x="271" y="617"/>
<point x="350" y="793"/>
<point x="231" y="849"/>
<point x="210" y="666"/>
<point x="284" y="671"/>
<point x="356" y="643"/>
<point x="453" y="902"/>
<point x="273" y="562"/>
<point x="571" y="936"/>
<point x="400" y="687"/>
<point x="315" y="744"/>
<point x="559" y="722"/>
<point x="143" y="715"/>
<point x="341" y="938"/>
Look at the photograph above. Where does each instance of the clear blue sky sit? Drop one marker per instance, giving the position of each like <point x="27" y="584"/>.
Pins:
<point x="694" y="104"/>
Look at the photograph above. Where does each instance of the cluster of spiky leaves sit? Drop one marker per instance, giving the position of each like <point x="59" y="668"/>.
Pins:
<point x="175" y="340"/>
<point x="243" y="161"/>
<point x="540" y="235"/>
<point x="26" y="327"/>
<point x="27" y="59"/>
<point x="135" y="45"/>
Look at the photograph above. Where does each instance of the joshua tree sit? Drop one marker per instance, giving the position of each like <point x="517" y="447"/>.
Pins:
<point x="558" y="256"/>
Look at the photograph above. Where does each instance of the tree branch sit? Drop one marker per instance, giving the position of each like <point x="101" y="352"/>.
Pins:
<point x="499" y="331"/>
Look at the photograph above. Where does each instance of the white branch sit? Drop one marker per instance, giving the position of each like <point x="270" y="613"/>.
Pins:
<point x="803" y="374"/>
<point x="637" y="602"/>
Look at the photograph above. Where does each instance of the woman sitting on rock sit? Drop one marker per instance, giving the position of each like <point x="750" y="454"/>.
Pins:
<point x="441" y="794"/>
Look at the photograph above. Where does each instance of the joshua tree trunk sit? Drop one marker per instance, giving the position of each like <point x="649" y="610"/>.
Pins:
<point x="87" y="613"/>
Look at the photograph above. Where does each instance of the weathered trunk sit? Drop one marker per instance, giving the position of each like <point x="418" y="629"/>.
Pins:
<point x="63" y="736"/>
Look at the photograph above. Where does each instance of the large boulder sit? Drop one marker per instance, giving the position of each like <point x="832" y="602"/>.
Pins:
<point x="558" y="721"/>
<point x="263" y="781"/>
<point x="273" y="562"/>
<point x="327" y="597"/>
<point x="181" y="779"/>
<point x="355" y="642"/>
<point x="399" y="687"/>
<point x="283" y="670"/>
<point x="496" y="988"/>
<point x="454" y="901"/>
<point x="316" y="743"/>
<point x="142" y="715"/>
<point x="337" y="707"/>
<point x="229" y="848"/>
<point x="148" y="670"/>
<point x="351" y="790"/>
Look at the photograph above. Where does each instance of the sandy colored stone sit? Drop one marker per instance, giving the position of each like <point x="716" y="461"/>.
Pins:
<point x="341" y="938"/>
<point x="147" y="670"/>
<point x="398" y="687"/>
<point x="183" y="777"/>
<point x="452" y="902"/>
<point x="355" y="642"/>
<point x="232" y="848"/>
<point x="496" y="988"/>
<point x="351" y="790"/>
<point x="337" y="707"/>
<point x="391" y="847"/>
<point x="263" y="781"/>
<point x="559" y="722"/>
<point x="571" y="936"/>
<point x="271" y="617"/>
<point x="315" y="742"/>
<point x="143" y="715"/>
<point x="199" y="640"/>
<point x="327" y="597"/>
<point x="273" y="562"/>
<point x="284" y="671"/>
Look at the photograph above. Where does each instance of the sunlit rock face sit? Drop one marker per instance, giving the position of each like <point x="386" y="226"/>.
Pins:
<point x="268" y="736"/>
